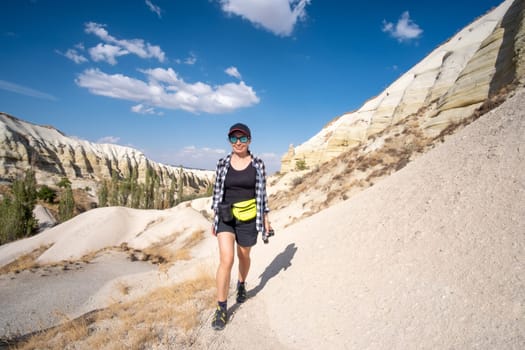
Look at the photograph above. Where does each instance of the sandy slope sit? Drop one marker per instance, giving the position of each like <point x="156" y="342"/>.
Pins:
<point x="45" y="296"/>
<point x="432" y="257"/>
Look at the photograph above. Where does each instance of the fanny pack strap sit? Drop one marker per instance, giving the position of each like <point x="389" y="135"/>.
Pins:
<point x="244" y="204"/>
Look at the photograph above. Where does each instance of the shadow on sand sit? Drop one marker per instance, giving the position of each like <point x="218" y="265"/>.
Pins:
<point x="281" y="262"/>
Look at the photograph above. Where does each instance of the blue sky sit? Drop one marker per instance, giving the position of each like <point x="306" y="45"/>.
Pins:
<point x="168" y="77"/>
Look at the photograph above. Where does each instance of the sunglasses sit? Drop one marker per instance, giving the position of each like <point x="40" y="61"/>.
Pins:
<point x="243" y="139"/>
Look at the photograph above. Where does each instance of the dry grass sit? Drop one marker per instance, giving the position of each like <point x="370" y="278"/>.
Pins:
<point x="167" y="315"/>
<point x="58" y="338"/>
<point x="160" y="249"/>
<point x="123" y="288"/>
<point x="184" y="253"/>
<point x="24" y="262"/>
<point x="402" y="142"/>
<point x="160" y="254"/>
<point x="164" y="254"/>
<point x="206" y="214"/>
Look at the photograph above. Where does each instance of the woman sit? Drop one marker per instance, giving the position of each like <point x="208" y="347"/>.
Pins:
<point x="241" y="211"/>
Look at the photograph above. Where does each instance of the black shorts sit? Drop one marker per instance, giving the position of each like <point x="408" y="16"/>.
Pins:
<point x="245" y="231"/>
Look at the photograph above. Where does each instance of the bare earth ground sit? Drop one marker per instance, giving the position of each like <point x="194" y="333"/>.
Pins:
<point x="40" y="298"/>
<point x="432" y="257"/>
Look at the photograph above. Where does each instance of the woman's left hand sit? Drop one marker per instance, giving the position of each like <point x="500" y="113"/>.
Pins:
<point x="267" y="225"/>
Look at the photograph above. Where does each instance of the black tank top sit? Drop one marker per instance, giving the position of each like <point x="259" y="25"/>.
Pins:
<point x="239" y="185"/>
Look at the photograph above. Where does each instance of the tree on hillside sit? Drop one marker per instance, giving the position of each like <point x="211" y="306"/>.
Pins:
<point x="114" y="189"/>
<point x="103" y="194"/>
<point x="300" y="164"/>
<point x="66" y="205"/>
<point x="134" y="189"/>
<point x="16" y="213"/>
<point x="47" y="194"/>
<point x="64" y="183"/>
<point x="9" y="221"/>
<point x="158" y="194"/>
<point x="171" y="192"/>
<point x="152" y="194"/>
<point x="180" y="188"/>
<point x="149" y="189"/>
<point x="129" y="195"/>
<point x="209" y="191"/>
<point x="124" y="190"/>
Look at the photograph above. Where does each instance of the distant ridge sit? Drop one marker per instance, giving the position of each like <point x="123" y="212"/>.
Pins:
<point x="53" y="155"/>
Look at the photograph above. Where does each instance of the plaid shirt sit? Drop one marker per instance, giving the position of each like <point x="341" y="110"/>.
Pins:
<point x="261" y="198"/>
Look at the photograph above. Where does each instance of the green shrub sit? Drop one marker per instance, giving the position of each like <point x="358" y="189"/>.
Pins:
<point x="103" y="195"/>
<point x="66" y="205"/>
<point x="300" y="165"/>
<point x="64" y="183"/>
<point x="16" y="213"/>
<point x="297" y="181"/>
<point x="47" y="194"/>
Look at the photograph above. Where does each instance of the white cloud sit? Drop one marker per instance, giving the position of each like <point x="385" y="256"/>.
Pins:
<point x="22" y="90"/>
<point x="232" y="71"/>
<point x="142" y="109"/>
<point x="164" y="89"/>
<point x="201" y="158"/>
<point x="272" y="162"/>
<point x="154" y="8"/>
<point x="190" y="60"/>
<point x="277" y="16"/>
<point x="195" y="152"/>
<point x="405" y="29"/>
<point x="192" y="157"/>
<point x="109" y="139"/>
<point x="134" y="46"/>
<point x="74" y="56"/>
<point x="107" y="53"/>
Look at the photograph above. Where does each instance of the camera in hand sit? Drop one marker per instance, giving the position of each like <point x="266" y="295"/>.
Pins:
<point x="268" y="235"/>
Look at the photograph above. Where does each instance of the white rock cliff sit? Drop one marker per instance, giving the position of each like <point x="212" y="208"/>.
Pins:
<point x="444" y="88"/>
<point x="53" y="156"/>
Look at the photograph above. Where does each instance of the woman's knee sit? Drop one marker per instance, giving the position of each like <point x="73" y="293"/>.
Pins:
<point x="226" y="261"/>
<point x="243" y="253"/>
<point x="226" y="249"/>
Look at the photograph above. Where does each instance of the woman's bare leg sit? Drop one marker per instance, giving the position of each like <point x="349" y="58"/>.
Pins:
<point x="244" y="262"/>
<point x="226" y="244"/>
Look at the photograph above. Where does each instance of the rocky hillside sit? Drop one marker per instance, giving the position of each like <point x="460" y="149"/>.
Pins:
<point x="470" y="74"/>
<point x="54" y="155"/>
<point x="443" y="89"/>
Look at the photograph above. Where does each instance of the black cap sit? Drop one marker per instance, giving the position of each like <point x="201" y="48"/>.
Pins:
<point x="240" y="127"/>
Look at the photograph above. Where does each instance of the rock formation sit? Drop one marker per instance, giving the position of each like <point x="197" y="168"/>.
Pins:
<point x="443" y="89"/>
<point x="54" y="156"/>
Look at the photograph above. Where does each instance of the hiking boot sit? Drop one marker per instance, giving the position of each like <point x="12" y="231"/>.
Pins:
<point x="241" y="293"/>
<point x="220" y="319"/>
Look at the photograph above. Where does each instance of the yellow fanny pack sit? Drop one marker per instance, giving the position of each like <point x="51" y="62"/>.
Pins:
<point x="245" y="210"/>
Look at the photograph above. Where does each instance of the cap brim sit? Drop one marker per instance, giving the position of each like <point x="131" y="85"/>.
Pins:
<point x="240" y="130"/>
